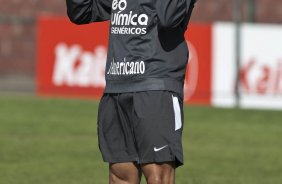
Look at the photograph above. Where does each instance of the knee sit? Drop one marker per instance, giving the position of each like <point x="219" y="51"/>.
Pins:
<point x="116" y="180"/>
<point x="154" y="179"/>
<point x="123" y="179"/>
<point x="159" y="173"/>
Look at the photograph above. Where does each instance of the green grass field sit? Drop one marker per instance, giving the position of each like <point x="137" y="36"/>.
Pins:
<point x="53" y="141"/>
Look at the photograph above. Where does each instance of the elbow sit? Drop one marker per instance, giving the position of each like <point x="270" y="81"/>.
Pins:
<point x="78" y="20"/>
<point x="75" y="21"/>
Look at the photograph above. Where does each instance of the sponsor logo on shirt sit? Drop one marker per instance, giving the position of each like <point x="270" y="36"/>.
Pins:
<point x="126" y="67"/>
<point x="127" y="23"/>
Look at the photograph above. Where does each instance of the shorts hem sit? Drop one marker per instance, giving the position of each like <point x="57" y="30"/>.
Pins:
<point x="121" y="160"/>
<point x="177" y="161"/>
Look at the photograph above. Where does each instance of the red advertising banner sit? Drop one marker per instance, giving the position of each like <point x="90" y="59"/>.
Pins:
<point x="198" y="75"/>
<point x="71" y="59"/>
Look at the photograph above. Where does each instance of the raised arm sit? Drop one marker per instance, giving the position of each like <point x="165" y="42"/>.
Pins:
<point x="171" y="13"/>
<point x="86" y="11"/>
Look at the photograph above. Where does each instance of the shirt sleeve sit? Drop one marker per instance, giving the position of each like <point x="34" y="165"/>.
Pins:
<point x="86" y="11"/>
<point x="171" y="13"/>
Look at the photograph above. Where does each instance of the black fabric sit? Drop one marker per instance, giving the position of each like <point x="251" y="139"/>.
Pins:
<point x="86" y="11"/>
<point x="139" y="127"/>
<point x="146" y="41"/>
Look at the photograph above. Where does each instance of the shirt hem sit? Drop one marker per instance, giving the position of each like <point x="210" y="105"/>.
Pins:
<point x="148" y="84"/>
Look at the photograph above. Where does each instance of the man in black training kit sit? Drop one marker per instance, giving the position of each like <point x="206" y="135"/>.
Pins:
<point x="141" y="111"/>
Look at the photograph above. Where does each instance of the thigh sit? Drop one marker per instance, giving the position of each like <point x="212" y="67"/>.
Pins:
<point x="115" y="137"/>
<point x="159" y="172"/>
<point x="158" y="127"/>
<point x="125" y="173"/>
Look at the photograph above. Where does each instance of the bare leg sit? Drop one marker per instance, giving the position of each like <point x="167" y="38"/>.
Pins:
<point x="125" y="173"/>
<point x="162" y="173"/>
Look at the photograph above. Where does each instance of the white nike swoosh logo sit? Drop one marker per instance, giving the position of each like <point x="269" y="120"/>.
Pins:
<point x="159" y="149"/>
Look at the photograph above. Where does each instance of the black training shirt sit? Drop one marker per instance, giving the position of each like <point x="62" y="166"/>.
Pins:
<point x="147" y="49"/>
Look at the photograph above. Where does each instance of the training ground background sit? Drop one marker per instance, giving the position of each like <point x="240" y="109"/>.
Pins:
<point x="54" y="141"/>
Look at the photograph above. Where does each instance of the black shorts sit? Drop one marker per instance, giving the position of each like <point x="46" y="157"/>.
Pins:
<point x="141" y="127"/>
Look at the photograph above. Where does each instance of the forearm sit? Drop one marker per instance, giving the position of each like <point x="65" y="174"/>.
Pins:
<point x="86" y="11"/>
<point x="79" y="11"/>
